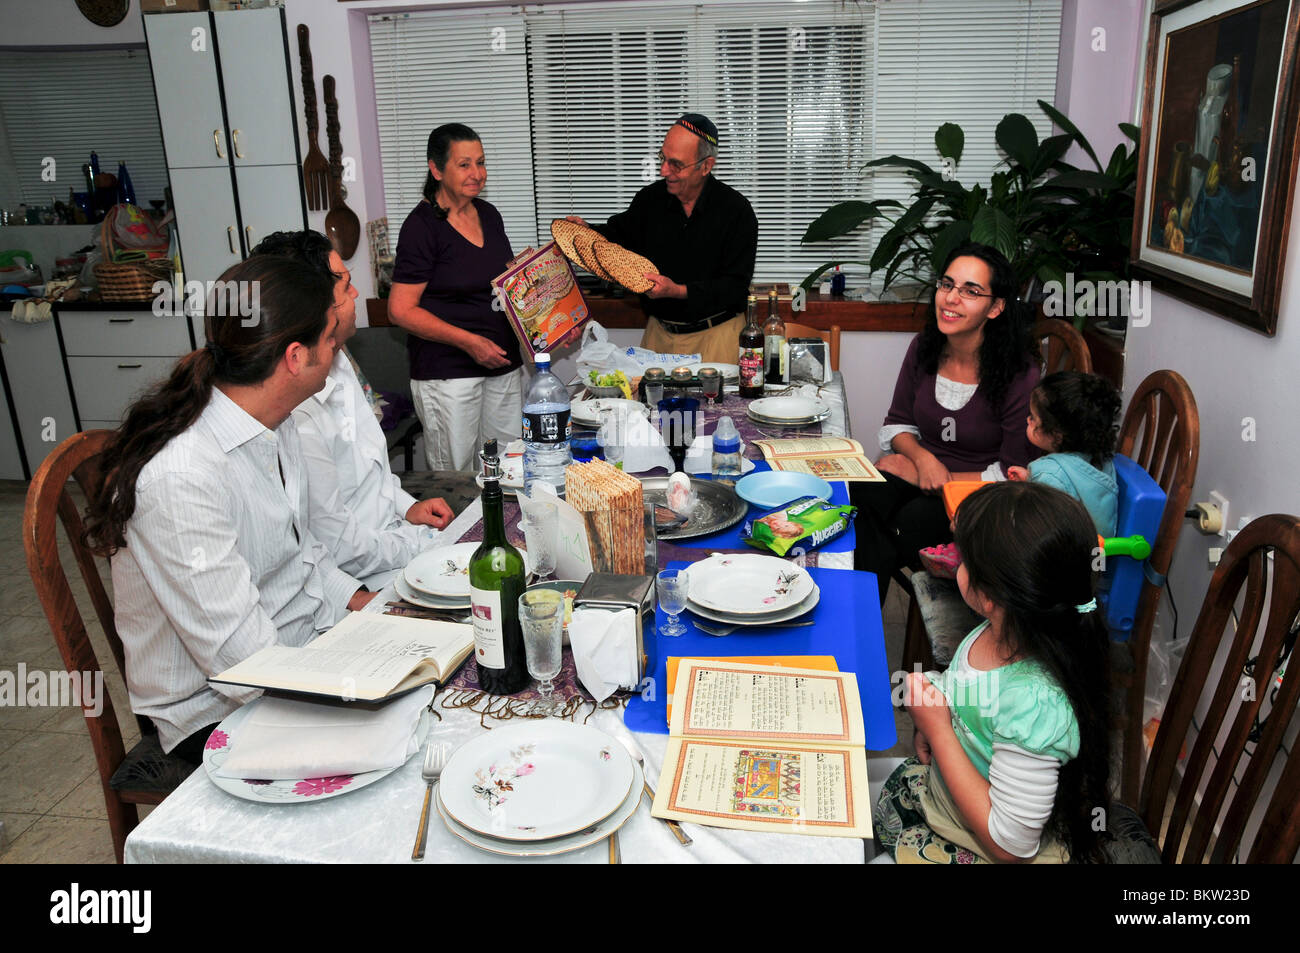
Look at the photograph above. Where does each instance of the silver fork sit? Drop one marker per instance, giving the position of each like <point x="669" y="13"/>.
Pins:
<point x="683" y="838"/>
<point x="435" y="759"/>
<point x="711" y="628"/>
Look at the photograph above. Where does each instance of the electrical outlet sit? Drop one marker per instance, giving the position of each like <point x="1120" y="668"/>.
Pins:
<point x="1221" y="502"/>
<point x="1215" y="553"/>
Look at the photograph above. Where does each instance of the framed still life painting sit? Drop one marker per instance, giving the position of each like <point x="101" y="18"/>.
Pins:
<point x="1216" y="177"/>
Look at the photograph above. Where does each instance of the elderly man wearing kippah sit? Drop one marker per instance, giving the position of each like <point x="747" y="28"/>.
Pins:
<point x="703" y="236"/>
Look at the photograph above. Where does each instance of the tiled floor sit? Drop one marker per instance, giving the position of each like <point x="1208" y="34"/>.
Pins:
<point x="51" y="802"/>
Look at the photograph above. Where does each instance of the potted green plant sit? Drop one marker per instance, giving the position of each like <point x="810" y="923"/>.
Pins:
<point x="1047" y="216"/>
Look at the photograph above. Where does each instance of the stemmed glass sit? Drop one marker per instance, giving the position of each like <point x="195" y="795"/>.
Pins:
<point x="710" y="383"/>
<point x="541" y="532"/>
<point x="541" y="616"/>
<point x="673" y="585"/>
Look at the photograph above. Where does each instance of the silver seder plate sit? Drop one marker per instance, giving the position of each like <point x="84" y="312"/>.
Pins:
<point x="718" y="507"/>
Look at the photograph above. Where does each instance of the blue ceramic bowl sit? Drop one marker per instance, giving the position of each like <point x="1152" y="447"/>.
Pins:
<point x="773" y="488"/>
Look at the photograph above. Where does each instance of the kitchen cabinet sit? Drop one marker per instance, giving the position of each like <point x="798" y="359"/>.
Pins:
<point x="226" y="106"/>
<point x="38" y="387"/>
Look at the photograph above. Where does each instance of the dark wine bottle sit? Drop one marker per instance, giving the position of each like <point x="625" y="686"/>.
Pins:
<point x="774" y="344"/>
<point x="751" y="353"/>
<point x="496" y="581"/>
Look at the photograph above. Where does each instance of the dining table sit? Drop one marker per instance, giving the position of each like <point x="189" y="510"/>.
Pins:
<point x="200" y="823"/>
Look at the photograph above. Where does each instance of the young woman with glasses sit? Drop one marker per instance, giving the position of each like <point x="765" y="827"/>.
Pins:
<point x="958" y="411"/>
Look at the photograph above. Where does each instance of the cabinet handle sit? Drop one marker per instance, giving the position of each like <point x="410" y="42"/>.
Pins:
<point x="216" y="141"/>
<point x="230" y="238"/>
<point x="120" y="320"/>
<point x="127" y="367"/>
<point x="248" y="235"/>
<point x="234" y="135"/>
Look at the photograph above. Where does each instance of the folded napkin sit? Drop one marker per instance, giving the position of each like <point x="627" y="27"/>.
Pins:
<point x="644" y="450"/>
<point x="604" y="649"/>
<point x="284" y="739"/>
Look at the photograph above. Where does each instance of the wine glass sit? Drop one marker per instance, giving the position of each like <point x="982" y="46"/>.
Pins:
<point x="541" y="534"/>
<point x="673" y="586"/>
<point x="541" y="616"/>
<point x="710" y="383"/>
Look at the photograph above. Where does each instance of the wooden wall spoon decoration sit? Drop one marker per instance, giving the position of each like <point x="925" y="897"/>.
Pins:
<point x="341" y="223"/>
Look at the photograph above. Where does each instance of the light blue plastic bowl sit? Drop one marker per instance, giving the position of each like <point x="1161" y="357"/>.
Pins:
<point x="773" y="488"/>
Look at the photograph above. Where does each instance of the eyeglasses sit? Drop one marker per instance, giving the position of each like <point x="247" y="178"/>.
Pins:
<point x="946" y="284"/>
<point x="676" y="166"/>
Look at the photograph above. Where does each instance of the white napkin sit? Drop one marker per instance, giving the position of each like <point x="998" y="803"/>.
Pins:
<point x="286" y="739"/>
<point x="604" y="649"/>
<point x="645" y="450"/>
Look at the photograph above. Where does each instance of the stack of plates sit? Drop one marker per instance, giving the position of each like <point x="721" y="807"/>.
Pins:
<point x="539" y="789"/>
<point x="587" y="412"/>
<point x="439" y="578"/>
<point x="750" y="589"/>
<point x="788" y="411"/>
<point x="730" y="372"/>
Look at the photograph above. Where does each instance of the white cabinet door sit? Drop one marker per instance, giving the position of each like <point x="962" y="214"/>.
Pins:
<point x="255" y="76"/>
<point x="270" y="200"/>
<point x="11" y="464"/>
<point x="183" y="57"/>
<point x="208" y="225"/>
<point x="39" y="386"/>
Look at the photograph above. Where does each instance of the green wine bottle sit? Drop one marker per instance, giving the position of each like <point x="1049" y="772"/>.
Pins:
<point x="496" y="581"/>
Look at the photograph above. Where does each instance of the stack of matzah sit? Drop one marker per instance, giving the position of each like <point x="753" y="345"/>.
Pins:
<point x="611" y="503"/>
<point x="587" y="248"/>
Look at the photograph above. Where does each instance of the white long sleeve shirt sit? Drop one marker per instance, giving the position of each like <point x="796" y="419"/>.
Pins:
<point x="219" y="563"/>
<point x="357" y="506"/>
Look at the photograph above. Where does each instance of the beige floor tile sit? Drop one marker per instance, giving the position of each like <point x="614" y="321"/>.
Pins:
<point x="9" y="737"/>
<point x="23" y="637"/>
<point x="42" y="769"/>
<point x="14" y="825"/>
<point x="62" y="840"/>
<point x="86" y="800"/>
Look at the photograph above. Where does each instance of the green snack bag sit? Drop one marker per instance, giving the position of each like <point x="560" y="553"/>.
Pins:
<point x="811" y="519"/>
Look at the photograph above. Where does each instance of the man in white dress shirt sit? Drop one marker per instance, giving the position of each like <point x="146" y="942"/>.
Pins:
<point x="203" y="510"/>
<point x="358" y="508"/>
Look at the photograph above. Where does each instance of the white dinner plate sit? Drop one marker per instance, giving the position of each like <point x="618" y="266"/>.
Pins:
<point x="789" y="422"/>
<point x="444" y="572"/>
<point x="536" y="781"/>
<point x="788" y="409"/>
<point x="559" y="845"/>
<point x="774" y="618"/>
<point x="747" y="583"/>
<point x="418" y="598"/>
<point x="587" y="412"/>
<point x="302" y="791"/>
<point x="730" y="372"/>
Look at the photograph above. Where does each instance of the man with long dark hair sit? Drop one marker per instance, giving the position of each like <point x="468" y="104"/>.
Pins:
<point x="358" y="508"/>
<point x="203" y="505"/>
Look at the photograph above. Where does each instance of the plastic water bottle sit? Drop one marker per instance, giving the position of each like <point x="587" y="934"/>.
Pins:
<point x="546" y="429"/>
<point x="726" y="451"/>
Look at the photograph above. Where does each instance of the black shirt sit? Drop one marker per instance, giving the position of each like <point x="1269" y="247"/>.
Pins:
<point x="712" y="252"/>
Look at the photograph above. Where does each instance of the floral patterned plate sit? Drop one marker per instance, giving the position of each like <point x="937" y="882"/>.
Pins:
<point x="559" y="845"/>
<point x="304" y="791"/>
<point x="748" y="583"/>
<point x="536" y="781"/>
<point x="443" y="573"/>
<point x="771" y="618"/>
<point x="418" y="598"/>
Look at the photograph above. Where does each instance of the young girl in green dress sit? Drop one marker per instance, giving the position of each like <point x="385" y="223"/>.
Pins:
<point x="1012" y="747"/>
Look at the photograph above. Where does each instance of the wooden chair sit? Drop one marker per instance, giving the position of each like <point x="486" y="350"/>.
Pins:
<point x="1064" y="348"/>
<point x="831" y="337"/>
<point x="1161" y="432"/>
<point x="144" y="775"/>
<point x="1234" y="705"/>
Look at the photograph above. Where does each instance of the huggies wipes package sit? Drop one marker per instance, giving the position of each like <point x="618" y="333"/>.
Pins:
<point x="807" y="522"/>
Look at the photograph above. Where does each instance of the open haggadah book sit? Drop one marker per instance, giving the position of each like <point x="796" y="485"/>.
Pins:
<point x="766" y="749"/>
<point x="366" y="657"/>
<point x="831" y="458"/>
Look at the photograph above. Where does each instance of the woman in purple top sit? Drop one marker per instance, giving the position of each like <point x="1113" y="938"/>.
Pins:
<point x="958" y="412"/>
<point x="466" y="373"/>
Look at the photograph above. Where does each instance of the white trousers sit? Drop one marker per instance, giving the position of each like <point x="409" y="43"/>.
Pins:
<point x="459" y="415"/>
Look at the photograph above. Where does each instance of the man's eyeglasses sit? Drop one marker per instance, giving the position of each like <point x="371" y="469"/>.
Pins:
<point x="676" y="166"/>
<point x="946" y="284"/>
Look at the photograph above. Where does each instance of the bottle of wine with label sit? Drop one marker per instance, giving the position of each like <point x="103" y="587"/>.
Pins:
<point x="496" y="581"/>
<point x="775" y="349"/>
<point x="751" y="353"/>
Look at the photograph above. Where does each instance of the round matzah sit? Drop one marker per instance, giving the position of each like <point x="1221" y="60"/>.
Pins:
<point x="562" y="230"/>
<point x="582" y="242"/>
<point x="626" y="267"/>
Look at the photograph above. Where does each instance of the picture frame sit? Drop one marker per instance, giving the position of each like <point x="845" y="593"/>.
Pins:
<point x="1217" y="166"/>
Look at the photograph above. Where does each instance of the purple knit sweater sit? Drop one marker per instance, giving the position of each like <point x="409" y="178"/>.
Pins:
<point x="977" y="435"/>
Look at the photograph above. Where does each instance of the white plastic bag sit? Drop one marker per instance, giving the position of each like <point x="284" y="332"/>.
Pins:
<point x="603" y="356"/>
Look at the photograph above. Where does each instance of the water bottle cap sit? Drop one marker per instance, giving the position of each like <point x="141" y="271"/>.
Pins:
<point x="542" y="359"/>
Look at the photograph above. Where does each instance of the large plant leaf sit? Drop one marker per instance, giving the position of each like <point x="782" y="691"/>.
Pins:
<point x="1132" y="131"/>
<point x="840" y="220"/>
<point x="937" y="183"/>
<point x="1018" y="138"/>
<point x="892" y="240"/>
<point x="1050" y="152"/>
<point x="1082" y="179"/>
<point x="900" y="161"/>
<point x="1060" y="119"/>
<point x="950" y="140"/>
<point x="993" y="227"/>
<point x="948" y="238"/>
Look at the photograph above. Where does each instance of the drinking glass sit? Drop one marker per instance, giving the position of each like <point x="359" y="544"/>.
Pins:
<point x="710" y="383"/>
<point x="541" y="535"/>
<point x="673" y="587"/>
<point x="613" y="435"/>
<point x="541" y="616"/>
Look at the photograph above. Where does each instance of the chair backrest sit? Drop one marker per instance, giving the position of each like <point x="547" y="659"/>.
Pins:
<point x="1161" y="433"/>
<point x="1235" y="704"/>
<point x="1064" y="348"/>
<point x="831" y="337"/>
<point x="48" y="502"/>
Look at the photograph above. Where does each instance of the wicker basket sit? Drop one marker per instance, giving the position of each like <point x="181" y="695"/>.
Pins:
<point x="127" y="280"/>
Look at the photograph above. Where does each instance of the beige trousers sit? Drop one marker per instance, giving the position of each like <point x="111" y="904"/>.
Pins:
<point x="719" y="344"/>
<point x="459" y="414"/>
